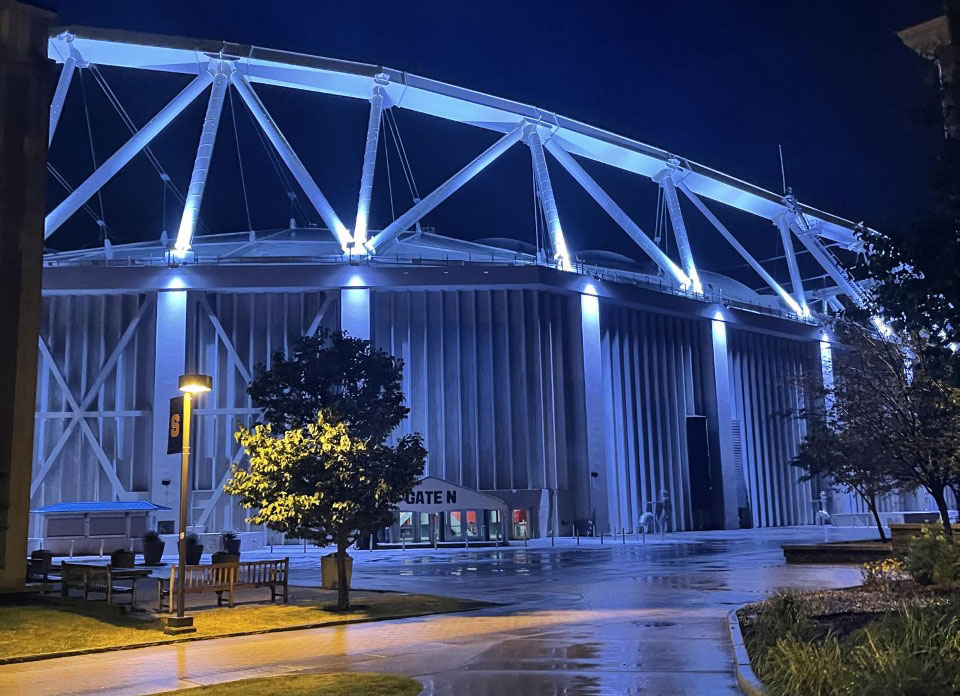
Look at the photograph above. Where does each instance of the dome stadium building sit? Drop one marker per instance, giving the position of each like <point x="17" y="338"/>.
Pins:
<point x="579" y="387"/>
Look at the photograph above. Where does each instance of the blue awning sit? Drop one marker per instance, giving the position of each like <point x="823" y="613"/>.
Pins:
<point x="104" y="506"/>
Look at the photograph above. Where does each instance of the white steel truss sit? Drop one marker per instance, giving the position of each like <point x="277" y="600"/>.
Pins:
<point x="82" y="408"/>
<point x="224" y="65"/>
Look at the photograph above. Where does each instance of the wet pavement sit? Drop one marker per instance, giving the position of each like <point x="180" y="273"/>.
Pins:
<point x="575" y="620"/>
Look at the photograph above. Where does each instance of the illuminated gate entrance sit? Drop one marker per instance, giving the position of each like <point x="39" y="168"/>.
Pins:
<point x="439" y="512"/>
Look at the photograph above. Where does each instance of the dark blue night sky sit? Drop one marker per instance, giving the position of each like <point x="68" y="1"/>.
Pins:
<point x="718" y="82"/>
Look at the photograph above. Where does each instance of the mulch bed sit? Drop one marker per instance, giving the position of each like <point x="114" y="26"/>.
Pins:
<point x="843" y="611"/>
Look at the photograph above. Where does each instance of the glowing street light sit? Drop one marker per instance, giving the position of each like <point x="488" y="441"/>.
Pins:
<point x="189" y="385"/>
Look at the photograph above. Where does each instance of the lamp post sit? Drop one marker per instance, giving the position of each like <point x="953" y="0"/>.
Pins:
<point x="189" y="385"/>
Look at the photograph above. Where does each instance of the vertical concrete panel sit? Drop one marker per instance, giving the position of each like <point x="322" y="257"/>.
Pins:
<point x="355" y="312"/>
<point x="593" y="393"/>
<point x="719" y="409"/>
<point x="170" y="363"/>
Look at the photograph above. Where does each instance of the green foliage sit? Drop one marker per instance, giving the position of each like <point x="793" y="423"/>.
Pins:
<point x="332" y="372"/>
<point x="795" y="667"/>
<point x="932" y="558"/>
<point x="894" y="405"/>
<point x="321" y="481"/>
<point x="784" y="614"/>
<point x="911" y="653"/>
<point x="882" y="575"/>
<point x="852" y="457"/>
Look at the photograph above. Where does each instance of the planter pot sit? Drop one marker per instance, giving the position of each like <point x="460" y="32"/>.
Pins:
<point x="328" y="571"/>
<point x="123" y="559"/>
<point x="153" y="552"/>
<point x="232" y="546"/>
<point x="224" y="557"/>
<point x="193" y="553"/>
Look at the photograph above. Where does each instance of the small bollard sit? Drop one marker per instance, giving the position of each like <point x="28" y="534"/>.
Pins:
<point x="623" y="534"/>
<point x="578" y="537"/>
<point x="304" y="545"/>
<point x="403" y="543"/>
<point x="601" y="538"/>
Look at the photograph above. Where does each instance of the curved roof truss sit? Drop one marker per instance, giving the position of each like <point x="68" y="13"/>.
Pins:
<point x="223" y="65"/>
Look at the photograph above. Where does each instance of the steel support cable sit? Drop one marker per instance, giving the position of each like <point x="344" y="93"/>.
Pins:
<point x="386" y="154"/>
<point x="128" y="122"/>
<point x="278" y="169"/>
<point x="62" y="180"/>
<point x="243" y="181"/>
<point x="401" y="156"/>
<point x="101" y="221"/>
<point x="147" y="151"/>
<point x="405" y="160"/>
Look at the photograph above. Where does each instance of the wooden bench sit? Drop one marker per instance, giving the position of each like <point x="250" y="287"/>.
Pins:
<point x="227" y="577"/>
<point x="96" y="579"/>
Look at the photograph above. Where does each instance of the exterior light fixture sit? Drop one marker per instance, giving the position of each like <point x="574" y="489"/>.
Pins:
<point x="190" y="385"/>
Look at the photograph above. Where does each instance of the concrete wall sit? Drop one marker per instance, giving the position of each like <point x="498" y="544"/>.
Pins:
<point x="24" y="99"/>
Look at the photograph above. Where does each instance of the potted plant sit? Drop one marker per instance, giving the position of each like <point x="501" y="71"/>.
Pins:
<point x="231" y="543"/>
<point x="194" y="549"/>
<point x="122" y="558"/>
<point x="152" y="548"/>
<point x="224" y="557"/>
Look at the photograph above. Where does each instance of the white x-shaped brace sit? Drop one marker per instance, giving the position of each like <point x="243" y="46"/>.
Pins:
<point x="211" y="503"/>
<point x="80" y="407"/>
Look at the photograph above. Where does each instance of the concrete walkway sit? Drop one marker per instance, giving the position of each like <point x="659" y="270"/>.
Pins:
<point x="617" y="619"/>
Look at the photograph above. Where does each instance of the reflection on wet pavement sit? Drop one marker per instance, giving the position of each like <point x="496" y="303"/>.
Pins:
<point x="588" y="620"/>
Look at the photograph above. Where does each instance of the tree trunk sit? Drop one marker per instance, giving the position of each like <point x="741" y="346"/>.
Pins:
<point x="343" y="588"/>
<point x="872" y="505"/>
<point x="941" y="500"/>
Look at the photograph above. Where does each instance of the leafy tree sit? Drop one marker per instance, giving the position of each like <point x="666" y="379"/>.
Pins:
<point x="898" y="398"/>
<point x="321" y="467"/>
<point x="853" y="460"/>
<point x="345" y="377"/>
<point x="321" y="480"/>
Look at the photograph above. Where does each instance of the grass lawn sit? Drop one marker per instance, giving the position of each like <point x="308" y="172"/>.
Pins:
<point x="37" y="629"/>
<point x="337" y="684"/>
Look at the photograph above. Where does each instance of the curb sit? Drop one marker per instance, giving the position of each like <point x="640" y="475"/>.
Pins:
<point x="748" y="681"/>
<point x="235" y="634"/>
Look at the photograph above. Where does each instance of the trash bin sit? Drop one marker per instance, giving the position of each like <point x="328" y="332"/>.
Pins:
<point x="328" y="571"/>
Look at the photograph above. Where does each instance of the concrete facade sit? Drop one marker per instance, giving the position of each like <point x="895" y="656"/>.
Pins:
<point x="569" y="396"/>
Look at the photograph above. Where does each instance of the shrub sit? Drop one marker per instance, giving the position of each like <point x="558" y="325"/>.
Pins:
<point x="151" y="536"/>
<point x="784" y="614"/>
<point x="192" y="539"/>
<point x="228" y="535"/>
<point x="932" y="558"/>
<point x="795" y="667"/>
<point x="911" y="653"/>
<point x="881" y="575"/>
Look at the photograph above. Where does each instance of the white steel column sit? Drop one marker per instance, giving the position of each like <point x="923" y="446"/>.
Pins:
<point x="289" y="157"/>
<point x="754" y="264"/>
<point x="170" y="363"/>
<point x="665" y="179"/>
<point x="614" y="211"/>
<point x="60" y="94"/>
<point x="201" y="165"/>
<point x="355" y="312"/>
<point x="596" y="482"/>
<point x="545" y="190"/>
<point x="369" y="167"/>
<point x="782" y="223"/>
<point x="444" y="191"/>
<point x="116" y="162"/>
<point x="723" y="421"/>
